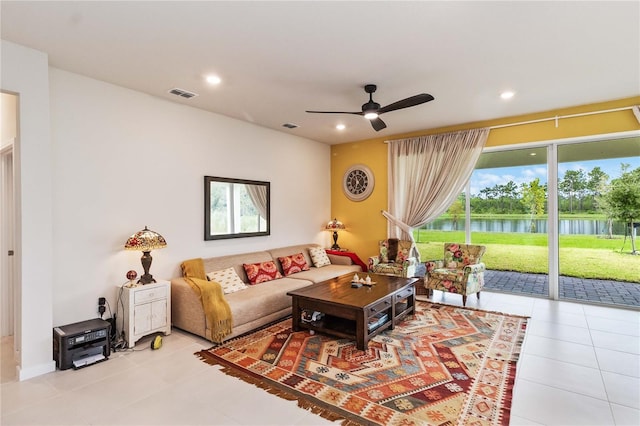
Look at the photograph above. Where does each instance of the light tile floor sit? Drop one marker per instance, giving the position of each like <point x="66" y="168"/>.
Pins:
<point x="580" y="366"/>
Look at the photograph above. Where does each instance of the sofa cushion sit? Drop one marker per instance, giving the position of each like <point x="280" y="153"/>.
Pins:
<point x="228" y="280"/>
<point x="236" y="261"/>
<point x="319" y="257"/>
<point x="289" y="250"/>
<point x="292" y="264"/>
<point x="261" y="300"/>
<point x="325" y="273"/>
<point x="261" y="272"/>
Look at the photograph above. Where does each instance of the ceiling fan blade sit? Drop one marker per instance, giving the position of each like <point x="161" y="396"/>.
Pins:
<point x="406" y="103"/>
<point x="336" y="112"/>
<point x="378" y="124"/>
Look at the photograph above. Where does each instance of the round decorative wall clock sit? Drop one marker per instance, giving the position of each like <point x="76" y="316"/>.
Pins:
<point x="358" y="182"/>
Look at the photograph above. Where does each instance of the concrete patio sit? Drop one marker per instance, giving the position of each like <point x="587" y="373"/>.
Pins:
<point x="584" y="290"/>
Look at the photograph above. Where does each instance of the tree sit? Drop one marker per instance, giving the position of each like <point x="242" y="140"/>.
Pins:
<point x="622" y="199"/>
<point x="534" y="197"/>
<point x="455" y="210"/>
<point x="596" y="181"/>
<point x="573" y="183"/>
<point x="511" y="192"/>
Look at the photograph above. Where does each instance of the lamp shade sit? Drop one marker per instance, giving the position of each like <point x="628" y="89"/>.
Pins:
<point x="334" y="225"/>
<point x="145" y="240"/>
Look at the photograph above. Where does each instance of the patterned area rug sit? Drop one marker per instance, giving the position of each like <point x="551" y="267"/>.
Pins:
<point x="445" y="365"/>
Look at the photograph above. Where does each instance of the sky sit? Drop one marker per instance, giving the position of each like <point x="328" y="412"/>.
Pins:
<point x="486" y="178"/>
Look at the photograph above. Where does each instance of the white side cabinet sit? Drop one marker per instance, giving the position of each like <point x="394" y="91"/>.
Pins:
<point x="147" y="310"/>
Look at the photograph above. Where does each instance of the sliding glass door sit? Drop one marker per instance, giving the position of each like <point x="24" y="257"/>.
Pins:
<point x="509" y="215"/>
<point x="596" y="185"/>
<point x="550" y="222"/>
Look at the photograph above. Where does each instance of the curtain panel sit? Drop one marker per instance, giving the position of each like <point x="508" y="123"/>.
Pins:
<point x="258" y="195"/>
<point x="426" y="174"/>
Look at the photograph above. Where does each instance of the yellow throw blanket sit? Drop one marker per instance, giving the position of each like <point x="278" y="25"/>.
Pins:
<point x="216" y="308"/>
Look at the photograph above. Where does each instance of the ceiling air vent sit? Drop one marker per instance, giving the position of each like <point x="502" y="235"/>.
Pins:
<point x="182" y="93"/>
<point x="290" y="125"/>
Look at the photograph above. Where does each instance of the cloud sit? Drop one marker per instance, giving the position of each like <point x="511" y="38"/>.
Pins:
<point x="487" y="178"/>
<point x="536" y="172"/>
<point x="482" y="179"/>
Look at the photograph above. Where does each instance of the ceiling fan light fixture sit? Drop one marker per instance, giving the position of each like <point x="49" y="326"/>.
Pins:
<point x="508" y="94"/>
<point x="372" y="110"/>
<point x="213" y="79"/>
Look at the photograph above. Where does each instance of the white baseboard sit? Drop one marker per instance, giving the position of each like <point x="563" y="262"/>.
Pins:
<point x="38" y="370"/>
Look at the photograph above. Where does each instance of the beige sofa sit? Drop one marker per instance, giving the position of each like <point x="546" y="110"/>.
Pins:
<point x="259" y="304"/>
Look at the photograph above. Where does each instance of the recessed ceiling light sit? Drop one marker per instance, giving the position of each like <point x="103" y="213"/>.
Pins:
<point x="213" y="79"/>
<point x="507" y="94"/>
<point x="533" y="154"/>
<point x="341" y="127"/>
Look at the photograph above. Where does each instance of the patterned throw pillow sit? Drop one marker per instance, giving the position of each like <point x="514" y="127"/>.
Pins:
<point x="294" y="263"/>
<point x="228" y="280"/>
<point x="319" y="257"/>
<point x="261" y="272"/>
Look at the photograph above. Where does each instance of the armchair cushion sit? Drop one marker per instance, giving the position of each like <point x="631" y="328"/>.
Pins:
<point x="461" y="270"/>
<point x="394" y="250"/>
<point x="394" y="258"/>
<point x="457" y="256"/>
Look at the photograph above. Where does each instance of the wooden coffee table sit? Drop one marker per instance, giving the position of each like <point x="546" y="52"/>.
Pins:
<point x="353" y="313"/>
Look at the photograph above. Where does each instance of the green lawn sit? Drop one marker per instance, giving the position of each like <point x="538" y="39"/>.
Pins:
<point x="582" y="256"/>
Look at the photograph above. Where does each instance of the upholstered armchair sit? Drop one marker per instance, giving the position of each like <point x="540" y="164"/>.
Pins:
<point x="394" y="258"/>
<point x="461" y="270"/>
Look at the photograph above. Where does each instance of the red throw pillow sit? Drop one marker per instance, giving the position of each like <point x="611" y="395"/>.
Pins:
<point x="294" y="263"/>
<point x="261" y="272"/>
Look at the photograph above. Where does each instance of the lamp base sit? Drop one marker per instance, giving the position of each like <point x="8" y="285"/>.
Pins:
<point x="335" y="245"/>
<point x="146" y="259"/>
<point x="146" y="279"/>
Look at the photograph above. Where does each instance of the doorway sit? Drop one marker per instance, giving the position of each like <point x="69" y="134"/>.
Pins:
<point x="8" y="290"/>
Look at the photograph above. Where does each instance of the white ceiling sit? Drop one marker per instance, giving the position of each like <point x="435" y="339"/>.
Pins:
<point x="278" y="59"/>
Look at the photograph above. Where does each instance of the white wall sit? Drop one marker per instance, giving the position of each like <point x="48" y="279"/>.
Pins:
<point x="25" y="72"/>
<point x="123" y="160"/>
<point x="97" y="162"/>
<point x="8" y="118"/>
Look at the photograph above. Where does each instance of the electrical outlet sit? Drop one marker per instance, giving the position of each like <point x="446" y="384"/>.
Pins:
<point x="101" y="307"/>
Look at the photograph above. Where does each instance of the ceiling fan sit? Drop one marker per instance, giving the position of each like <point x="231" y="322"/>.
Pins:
<point x="371" y="110"/>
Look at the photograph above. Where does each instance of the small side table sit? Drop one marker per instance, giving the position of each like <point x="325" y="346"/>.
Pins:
<point x="147" y="310"/>
<point x="354" y="257"/>
<point x="421" y="290"/>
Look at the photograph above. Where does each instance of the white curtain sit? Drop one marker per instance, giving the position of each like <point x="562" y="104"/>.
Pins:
<point x="258" y="195"/>
<point x="426" y="174"/>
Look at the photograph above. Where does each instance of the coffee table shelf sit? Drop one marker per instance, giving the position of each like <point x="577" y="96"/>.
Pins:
<point x="348" y="311"/>
<point x="340" y="327"/>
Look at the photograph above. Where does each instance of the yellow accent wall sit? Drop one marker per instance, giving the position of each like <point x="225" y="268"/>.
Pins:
<point x="366" y="225"/>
